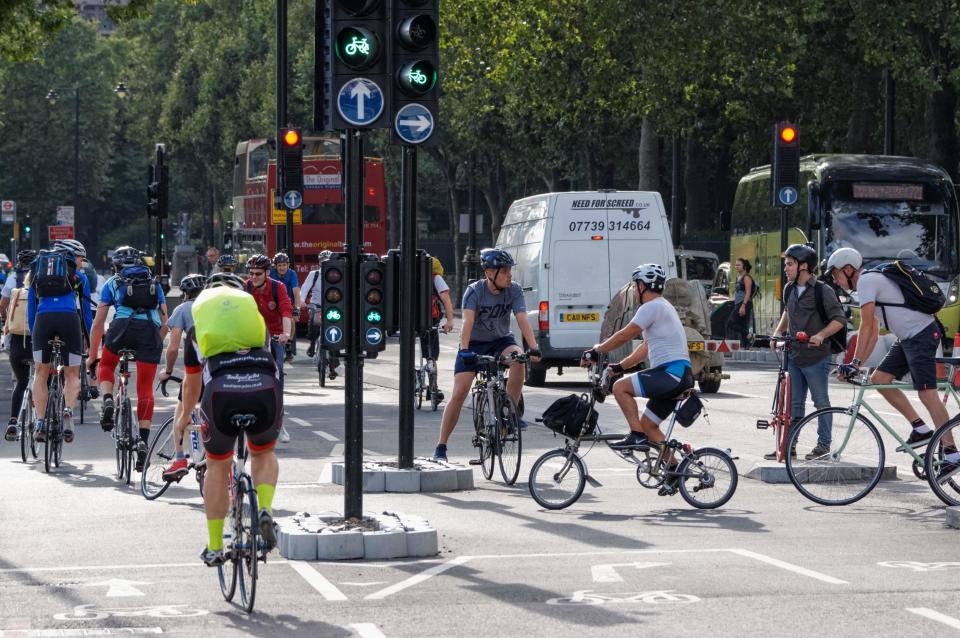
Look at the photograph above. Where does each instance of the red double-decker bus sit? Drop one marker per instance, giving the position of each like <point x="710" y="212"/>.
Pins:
<point x="257" y="226"/>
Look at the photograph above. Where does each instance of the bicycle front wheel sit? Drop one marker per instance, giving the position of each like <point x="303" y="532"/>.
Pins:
<point x="162" y="452"/>
<point x="248" y="543"/>
<point x="849" y="470"/>
<point x="322" y="366"/>
<point x="943" y="471"/>
<point x="485" y="437"/>
<point x="128" y="438"/>
<point x="557" y="479"/>
<point x="509" y="438"/>
<point x="708" y="478"/>
<point x="25" y="429"/>
<point x="434" y="392"/>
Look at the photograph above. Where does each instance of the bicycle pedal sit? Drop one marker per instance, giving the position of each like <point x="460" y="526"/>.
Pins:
<point x="474" y="462"/>
<point x="762" y="424"/>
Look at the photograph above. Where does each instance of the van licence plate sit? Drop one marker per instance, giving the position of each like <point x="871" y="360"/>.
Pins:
<point x="695" y="346"/>
<point x="573" y="317"/>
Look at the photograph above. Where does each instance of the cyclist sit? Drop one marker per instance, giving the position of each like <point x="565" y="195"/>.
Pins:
<point x="141" y="313"/>
<point x="284" y="274"/>
<point x="277" y="311"/>
<point x="669" y="374"/>
<point x="808" y="363"/>
<point x="16" y="330"/>
<point x="52" y="312"/>
<point x="313" y="296"/>
<point x="179" y="325"/>
<point x="441" y="307"/>
<point x="226" y="263"/>
<point x="915" y="351"/>
<point x="240" y="377"/>
<point x="487" y="305"/>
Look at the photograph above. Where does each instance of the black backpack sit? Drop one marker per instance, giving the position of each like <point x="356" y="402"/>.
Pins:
<point x="572" y="416"/>
<point x="919" y="292"/>
<point x="52" y="274"/>
<point x="137" y="289"/>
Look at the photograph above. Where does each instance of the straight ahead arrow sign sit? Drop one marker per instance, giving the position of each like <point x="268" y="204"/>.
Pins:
<point x="118" y="587"/>
<point x="361" y="93"/>
<point x="608" y="573"/>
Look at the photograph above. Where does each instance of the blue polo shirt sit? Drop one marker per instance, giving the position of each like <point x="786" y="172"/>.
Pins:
<point x="290" y="281"/>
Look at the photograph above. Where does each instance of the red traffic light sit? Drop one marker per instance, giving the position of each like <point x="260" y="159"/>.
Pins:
<point x="788" y="134"/>
<point x="291" y="137"/>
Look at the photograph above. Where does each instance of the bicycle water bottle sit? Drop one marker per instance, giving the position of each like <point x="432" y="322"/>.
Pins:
<point x="194" y="444"/>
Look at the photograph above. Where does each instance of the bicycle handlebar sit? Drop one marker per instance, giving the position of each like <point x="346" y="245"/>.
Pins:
<point x="163" y="384"/>
<point x="800" y="337"/>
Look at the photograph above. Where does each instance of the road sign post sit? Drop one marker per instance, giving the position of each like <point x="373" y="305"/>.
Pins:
<point x="8" y="211"/>
<point x="353" y="399"/>
<point x="408" y="273"/>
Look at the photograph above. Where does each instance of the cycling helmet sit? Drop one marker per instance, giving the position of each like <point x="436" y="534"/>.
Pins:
<point x="127" y="256"/>
<point x="259" y="261"/>
<point x="227" y="259"/>
<point x="192" y="284"/>
<point x="843" y="257"/>
<point x="72" y="245"/>
<point x="495" y="258"/>
<point x="25" y="258"/>
<point x="228" y="279"/>
<point x="281" y="258"/>
<point x="437" y="266"/>
<point x="652" y="275"/>
<point x="803" y="254"/>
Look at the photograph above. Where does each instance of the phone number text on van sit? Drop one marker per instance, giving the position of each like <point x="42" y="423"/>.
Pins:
<point x="593" y="226"/>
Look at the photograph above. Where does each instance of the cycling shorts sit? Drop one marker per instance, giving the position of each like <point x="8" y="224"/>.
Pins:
<point x="143" y="337"/>
<point x="660" y="385"/>
<point x="916" y="355"/>
<point x="65" y="325"/>
<point x="488" y="348"/>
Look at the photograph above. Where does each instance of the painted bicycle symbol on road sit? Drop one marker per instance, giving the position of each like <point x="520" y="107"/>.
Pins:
<point x="92" y="612"/>
<point x="658" y="597"/>
<point x="920" y="567"/>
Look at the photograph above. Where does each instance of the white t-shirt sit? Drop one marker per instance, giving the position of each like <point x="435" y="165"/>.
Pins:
<point x="662" y="331"/>
<point x="440" y="284"/>
<point x="313" y="286"/>
<point x="904" y="322"/>
<point x="8" y="286"/>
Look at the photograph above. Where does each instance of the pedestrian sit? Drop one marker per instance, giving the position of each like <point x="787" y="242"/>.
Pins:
<point x="738" y="323"/>
<point x="209" y="267"/>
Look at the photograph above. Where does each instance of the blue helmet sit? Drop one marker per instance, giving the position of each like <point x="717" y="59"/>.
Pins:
<point x="495" y="258"/>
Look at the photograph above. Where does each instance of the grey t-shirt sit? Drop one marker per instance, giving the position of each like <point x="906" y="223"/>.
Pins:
<point x="182" y="317"/>
<point x="492" y="320"/>
<point x="903" y="322"/>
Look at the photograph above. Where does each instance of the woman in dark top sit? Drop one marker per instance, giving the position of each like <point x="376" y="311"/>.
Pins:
<point x="738" y="325"/>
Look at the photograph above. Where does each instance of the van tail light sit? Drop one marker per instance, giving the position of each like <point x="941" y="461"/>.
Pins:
<point x="544" y="319"/>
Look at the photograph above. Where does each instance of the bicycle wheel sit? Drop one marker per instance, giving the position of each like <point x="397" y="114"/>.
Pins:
<point x="227" y="573"/>
<point x="128" y="437"/>
<point x="418" y="388"/>
<point x="781" y="418"/>
<point x="944" y="476"/>
<point x="557" y="479"/>
<point x="29" y="423"/>
<point x="509" y="438"/>
<point x="434" y="392"/>
<point x="25" y="429"/>
<point x="709" y="478"/>
<point x="58" y="440"/>
<point x="118" y="443"/>
<point x="49" y="424"/>
<point x="248" y="542"/>
<point x="852" y="467"/>
<point x="484" y="436"/>
<point x="321" y="362"/>
<point x="162" y="452"/>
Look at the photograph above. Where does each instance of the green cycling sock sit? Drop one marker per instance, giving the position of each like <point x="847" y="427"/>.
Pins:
<point x="215" y="532"/>
<point x="265" y="496"/>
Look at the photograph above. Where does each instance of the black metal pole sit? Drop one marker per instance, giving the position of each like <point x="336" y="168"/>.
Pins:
<point x="889" y="111"/>
<point x="284" y="236"/>
<point x="353" y="399"/>
<point x="159" y="253"/>
<point x="783" y="249"/>
<point x="675" y="191"/>
<point x="408" y="296"/>
<point x="76" y="159"/>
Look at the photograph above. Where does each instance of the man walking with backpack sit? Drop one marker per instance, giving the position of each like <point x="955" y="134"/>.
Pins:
<point x="811" y="307"/>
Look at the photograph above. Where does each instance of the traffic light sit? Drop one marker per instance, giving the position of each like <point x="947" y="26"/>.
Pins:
<point x="414" y="66"/>
<point x="291" y="167"/>
<point x="785" y="171"/>
<point x="335" y="276"/>
<point x="158" y="186"/>
<point x="373" y="293"/>
<point x="26" y="231"/>
<point x="355" y="90"/>
<point x="423" y="292"/>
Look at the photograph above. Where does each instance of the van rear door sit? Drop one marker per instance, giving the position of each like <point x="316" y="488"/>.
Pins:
<point x="638" y="234"/>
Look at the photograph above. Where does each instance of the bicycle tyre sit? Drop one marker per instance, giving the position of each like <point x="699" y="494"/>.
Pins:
<point x="509" y="439"/>
<point x="128" y="436"/>
<point x="486" y="445"/>
<point x="708" y="477"/>
<point x="322" y="366"/>
<point x="418" y="389"/>
<point x="549" y="472"/>
<point x="866" y="457"/>
<point x="25" y="429"/>
<point x="58" y="440"/>
<point x="228" y="583"/>
<point x="118" y="445"/>
<point x="31" y="420"/>
<point x="162" y="450"/>
<point x="781" y="418"/>
<point x="434" y="392"/>
<point x="48" y="444"/>
<point x="249" y="544"/>
<point x="934" y="457"/>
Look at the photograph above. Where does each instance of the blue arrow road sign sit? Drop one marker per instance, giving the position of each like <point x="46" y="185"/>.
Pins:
<point x="788" y="195"/>
<point x="292" y="199"/>
<point x="374" y="336"/>
<point x="334" y="334"/>
<point x="360" y="102"/>
<point x="414" y="123"/>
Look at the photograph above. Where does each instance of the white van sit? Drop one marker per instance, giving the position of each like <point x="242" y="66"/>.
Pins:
<point x="573" y="252"/>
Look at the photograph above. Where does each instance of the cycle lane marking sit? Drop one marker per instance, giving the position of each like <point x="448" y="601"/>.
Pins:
<point x="416" y="579"/>
<point x="790" y="567"/>
<point x="86" y="631"/>
<point x="318" y="581"/>
<point x="367" y="630"/>
<point x="608" y="573"/>
<point x="932" y="614"/>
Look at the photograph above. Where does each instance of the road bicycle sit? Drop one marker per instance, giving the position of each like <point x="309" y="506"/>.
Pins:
<point x="53" y="411"/>
<point x="163" y="451"/>
<point x="243" y="545"/>
<point x="321" y="358"/>
<point x="779" y="420"/>
<point x="706" y="477"/>
<point x="25" y="420"/>
<point x="88" y="391"/>
<point x="126" y="437"/>
<point x="426" y="385"/>
<point x="496" y="421"/>
<point x="855" y="461"/>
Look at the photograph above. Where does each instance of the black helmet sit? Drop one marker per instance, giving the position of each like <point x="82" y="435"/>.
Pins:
<point x="495" y="258"/>
<point x="259" y="261"/>
<point x="227" y="259"/>
<point x="127" y="256"/>
<point x="25" y="258"/>
<point x="192" y="283"/>
<point x="228" y="279"/>
<point x="803" y="254"/>
<point x="281" y="258"/>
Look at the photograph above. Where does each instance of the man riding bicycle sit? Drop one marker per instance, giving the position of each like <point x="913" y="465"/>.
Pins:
<point x="487" y="306"/>
<point x="226" y="263"/>
<point x="285" y="275"/>
<point x="240" y="376"/>
<point x="141" y="313"/>
<point x="313" y="300"/>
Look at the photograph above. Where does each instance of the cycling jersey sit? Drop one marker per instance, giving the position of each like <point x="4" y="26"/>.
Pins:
<point x="662" y="332"/>
<point x="110" y="296"/>
<point x="61" y="303"/>
<point x="182" y="317"/>
<point x="289" y="280"/>
<point x="272" y="308"/>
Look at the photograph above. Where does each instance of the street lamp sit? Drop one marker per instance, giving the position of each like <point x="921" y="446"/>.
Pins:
<point x="52" y="97"/>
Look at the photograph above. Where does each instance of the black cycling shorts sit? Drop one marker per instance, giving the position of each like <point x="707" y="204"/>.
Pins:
<point x="236" y="384"/>
<point x="916" y="355"/>
<point x="65" y="325"/>
<point x="660" y="385"/>
<point x="139" y="335"/>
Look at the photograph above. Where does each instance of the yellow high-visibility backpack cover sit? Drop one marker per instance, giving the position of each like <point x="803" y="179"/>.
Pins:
<point x="227" y="320"/>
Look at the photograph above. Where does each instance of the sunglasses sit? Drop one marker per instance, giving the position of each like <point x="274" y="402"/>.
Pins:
<point x="256" y="273"/>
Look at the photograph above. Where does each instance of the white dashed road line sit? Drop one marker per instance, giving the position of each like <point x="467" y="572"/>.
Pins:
<point x="316" y="580"/>
<point x="302" y="422"/>
<point x="367" y="630"/>
<point x="790" y="567"/>
<point x="935" y="615"/>
<point x="326" y="435"/>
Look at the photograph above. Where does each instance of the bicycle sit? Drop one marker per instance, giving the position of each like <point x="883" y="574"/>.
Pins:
<point x="496" y="421"/>
<point x="244" y="548"/>
<point x="854" y="466"/>
<point x="427" y="379"/>
<point x="53" y="411"/>
<point x="558" y="477"/>
<point x="126" y="437"/>
<point x="321" y="358"/>
<point x="88" y="392"/>
<point x="780" y="410"/>
<point x="25" y="420"/>
<point x="162" y="452"/>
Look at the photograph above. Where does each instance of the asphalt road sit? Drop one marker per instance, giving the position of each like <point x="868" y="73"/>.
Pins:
<point x="81" y="554"/>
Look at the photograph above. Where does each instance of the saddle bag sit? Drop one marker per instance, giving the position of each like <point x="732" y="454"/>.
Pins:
<point x="572" y="416"/>
<point x="690" y="410"/>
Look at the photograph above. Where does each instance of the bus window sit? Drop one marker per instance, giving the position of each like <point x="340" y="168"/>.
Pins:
<point x="323" y="214"/>
<point x="371" y="214"/>
<point x="259" y="159"/>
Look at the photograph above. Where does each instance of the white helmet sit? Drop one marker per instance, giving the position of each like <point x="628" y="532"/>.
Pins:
<point x="72" y="245"/>
<point x="652" y="275"/>
<point x="845" y="256"/>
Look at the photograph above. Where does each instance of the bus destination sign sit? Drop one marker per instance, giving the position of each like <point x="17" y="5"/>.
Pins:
<point x="879" y="190"/>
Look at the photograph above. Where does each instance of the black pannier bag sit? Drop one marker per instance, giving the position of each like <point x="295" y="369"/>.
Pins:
<point x="690" y="410"/>
<point x="572" y="416"/>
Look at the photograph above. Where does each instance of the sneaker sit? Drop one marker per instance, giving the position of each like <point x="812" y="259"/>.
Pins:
<point x="11" y="432"/>
<point x="440" y="453"/>
<point x="946" y="470"/>
<point x="212" y="557"/>
<point x="141" y="459"/>
<point x="916" y="440"/>
<point x="772" y="456"/>
<point x="633" y="441"/>
<point x="817" y="452"/>
<point x="40" y="431"/>
<point x="523" y="424"/>
<point x="671" y="484"/>
<point x="333" y="374"/>
<point x="267" y="530"/>
<point x="177" y="471"/>
<point x="288" y="358"/>
<point x="284" y="435"/>
<point x="311" y="350"/>
<point x="106" y="416"/>
<point x="67" y="426"/>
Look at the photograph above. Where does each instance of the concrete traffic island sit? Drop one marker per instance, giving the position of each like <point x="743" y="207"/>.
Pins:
<point x="953" y="517"/>
<point x="426" y="475"/>
<point x="328" y="536"/>
<point x="771" y="472"/>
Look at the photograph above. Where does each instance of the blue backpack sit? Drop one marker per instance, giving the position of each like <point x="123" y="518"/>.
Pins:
<point x="52" y="276"/>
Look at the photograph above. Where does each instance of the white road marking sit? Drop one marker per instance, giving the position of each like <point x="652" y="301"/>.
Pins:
<point x="86" y="631"/>
<point x="325" y="435"/>
<point x="608" y="573"/>
<point x="302" y="422"/>
<point x="370" y="584"/>
<point x="119" y="587"/>
<point x="367" y="630"/>
<point x="790" y="567"/>
<point x="935" y="615"/>
<point x="89" y="568"/>
<point x="416" y="579"/>
<point x="317" y="580"/>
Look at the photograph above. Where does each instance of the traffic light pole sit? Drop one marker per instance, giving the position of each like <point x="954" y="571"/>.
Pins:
<point x="783" y="249"/>
<point x="282" y="116"/>
<point x="408" y="298"/>
<point x="353" y="395"/>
